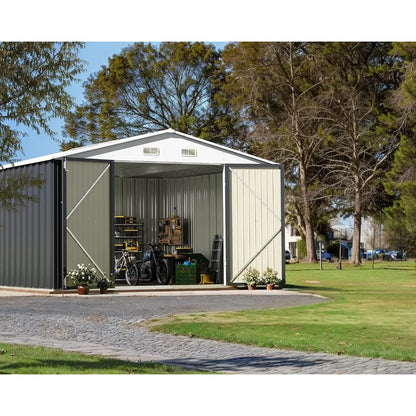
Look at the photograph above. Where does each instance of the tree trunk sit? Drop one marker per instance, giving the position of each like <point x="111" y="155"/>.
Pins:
<point x="309" y="233"/>
<point x="310" y="242"/>
<point x="356" y="239"/>
<point x="303" y="183"/>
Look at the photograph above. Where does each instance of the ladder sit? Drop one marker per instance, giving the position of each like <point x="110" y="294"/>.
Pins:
<point x="215" y="262"/>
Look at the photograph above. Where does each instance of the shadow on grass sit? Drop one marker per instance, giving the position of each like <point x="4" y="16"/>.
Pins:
<point x="324" y="289"/>
<point x="396" y="268"/>
<point x="306" y="269"/>
<point x="98" y="366"/>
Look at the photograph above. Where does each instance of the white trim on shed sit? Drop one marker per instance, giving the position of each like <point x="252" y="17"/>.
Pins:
<point x="173" y="142"/>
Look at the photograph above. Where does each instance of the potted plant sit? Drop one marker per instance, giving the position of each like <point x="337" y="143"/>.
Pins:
<point x="269" y="278"/>
<point x="83" y="276"/>
<point x="251" y="276"/>
<point x="103" y="283"/>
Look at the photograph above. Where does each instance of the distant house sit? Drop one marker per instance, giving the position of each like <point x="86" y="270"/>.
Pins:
<point x="372" y="236"/>
<point x="338" y="230"/>
<point x="292" y="238"/>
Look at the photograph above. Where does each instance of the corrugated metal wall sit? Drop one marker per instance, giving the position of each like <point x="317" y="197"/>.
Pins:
<point x="27" y="236"/>
<point x="136" y="197"/>
<point x="198" y="200"/>
<point x="256" y="217"/>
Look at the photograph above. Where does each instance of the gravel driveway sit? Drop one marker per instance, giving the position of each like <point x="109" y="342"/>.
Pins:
<point x="106" y="325"/>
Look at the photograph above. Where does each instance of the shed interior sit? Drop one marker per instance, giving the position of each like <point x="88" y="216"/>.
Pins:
<point x="151" y="192"/>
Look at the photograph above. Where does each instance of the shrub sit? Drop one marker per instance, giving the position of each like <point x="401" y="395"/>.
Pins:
<point x="301" y="245"/>
<point x="251" y="276"/>
<point x="269" y="276"/>
<point x="82" y="275"/>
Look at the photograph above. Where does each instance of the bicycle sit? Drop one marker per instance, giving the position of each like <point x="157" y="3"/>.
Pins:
<point x="124" y="262"/>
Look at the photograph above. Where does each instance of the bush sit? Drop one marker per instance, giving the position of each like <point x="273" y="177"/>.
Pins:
<point x="301" y="249"/>
<point x="252" y="276"/>
<point x="269" y="276"/>
<point x="333" y="249"/>
<point x="82" y="275"/>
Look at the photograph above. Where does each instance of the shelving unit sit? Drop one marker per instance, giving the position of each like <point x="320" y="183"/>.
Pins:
<point x="128" y="235"/>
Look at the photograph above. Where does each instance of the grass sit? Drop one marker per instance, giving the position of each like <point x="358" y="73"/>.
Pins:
<point x="19" y="359"/>
<point x="370" y="313"/>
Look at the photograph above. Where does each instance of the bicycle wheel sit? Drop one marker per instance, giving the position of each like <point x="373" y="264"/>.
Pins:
<point x="162" y="273"/>
<point x="132" y="275"/>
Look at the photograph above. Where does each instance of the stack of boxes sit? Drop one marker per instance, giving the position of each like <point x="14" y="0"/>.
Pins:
<point x="171" y="231"/>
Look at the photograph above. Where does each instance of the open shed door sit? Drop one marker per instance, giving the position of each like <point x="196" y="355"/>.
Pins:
<point x="254" y="216"/>
<point x="89" y="214"/>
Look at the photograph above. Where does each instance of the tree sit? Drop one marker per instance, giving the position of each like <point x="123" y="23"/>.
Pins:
<point x="400" y="224"/>
<point x="144" y="88"/>
<point x="276" y="88"/>
<point x="32" y="91"/>
<point x="32" y="88"/>
<point x="358" y="78"/>
<point x="400" y="228"/>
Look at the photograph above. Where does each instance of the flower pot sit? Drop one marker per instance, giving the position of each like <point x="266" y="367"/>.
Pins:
<point x="270" y="286"/>
<point x="103" y="290"/>
<point x="83" y="290"/>
<point x="251" y="287"/>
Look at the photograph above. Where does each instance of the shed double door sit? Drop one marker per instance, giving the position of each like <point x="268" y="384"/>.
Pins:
<point x="88" y="218"/>
<point x="255" y="219"/>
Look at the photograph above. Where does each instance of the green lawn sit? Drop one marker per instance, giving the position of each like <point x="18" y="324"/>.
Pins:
<point x="370" y="313"/>
<point x="19" y="359"/>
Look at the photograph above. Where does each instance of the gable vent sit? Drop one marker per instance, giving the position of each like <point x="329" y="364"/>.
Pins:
<point x="151" y="151"/>
<point x="189" y="152"/>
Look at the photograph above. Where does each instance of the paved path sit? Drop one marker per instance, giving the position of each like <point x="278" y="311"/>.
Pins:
<point x="107" y="325"/>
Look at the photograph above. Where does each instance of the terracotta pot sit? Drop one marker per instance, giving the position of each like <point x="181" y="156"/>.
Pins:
<point x="251" y="287"/>
<point x="103" y="290"/>
<point x="83" y="290"/>
<point x="270" y="286"/>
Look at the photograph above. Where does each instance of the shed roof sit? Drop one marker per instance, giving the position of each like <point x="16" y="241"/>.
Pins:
<point x="165" y="146"/>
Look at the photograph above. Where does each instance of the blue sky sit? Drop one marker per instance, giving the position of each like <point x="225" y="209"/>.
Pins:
<point x="96" y="54"/>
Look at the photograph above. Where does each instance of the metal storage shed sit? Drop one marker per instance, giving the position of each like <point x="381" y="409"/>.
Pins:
<point x="219" y="191"/>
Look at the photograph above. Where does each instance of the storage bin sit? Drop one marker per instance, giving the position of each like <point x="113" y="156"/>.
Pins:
<point x="187" y="275"/>
<point x="131" y="232"/>
<point x="132" y="245"/>
<point x="184" y="250"/>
